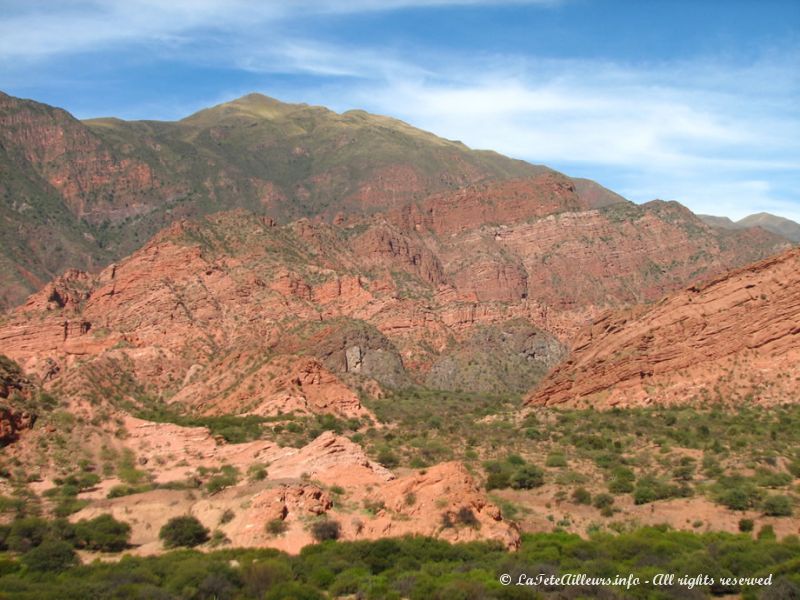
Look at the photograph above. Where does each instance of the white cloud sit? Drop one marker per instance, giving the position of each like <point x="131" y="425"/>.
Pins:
<point x="31" y="30"/>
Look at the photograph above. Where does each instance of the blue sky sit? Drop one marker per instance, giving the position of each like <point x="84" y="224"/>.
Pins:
<point x="696" y="101"/>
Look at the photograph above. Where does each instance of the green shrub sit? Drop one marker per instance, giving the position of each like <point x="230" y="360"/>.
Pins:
<point x="778" y="506"/>
<point x="103" y="533"/>
<point x="746" y="525"/>
<point x="527" y="477"/>
<point x="27" y="533"/>
<point x="603" y="501"/>
<point x="51" y="556"/>
<point x="581" y="496"/>
<point x="388" y="459"/>
<point x="772" y="479"/>
<point x="650" y="489"/>
<point x="183" y="531"/>
<point x="294" y="591"/>
<point x="124" y="489"/>
<point x="767" y="532"/>
<point x="227" y="477"/>
<point x="261" y="576"/>
<point x="737" y="494"/>
<point x="621" y="481"/>
<point x="277" y="527"/>
<point x="556" y="459"/>
<point x="326" y="529"/>
<point x="515" y="459"/>
<point x="685" y="469"/>
<point x="257" y="472"/>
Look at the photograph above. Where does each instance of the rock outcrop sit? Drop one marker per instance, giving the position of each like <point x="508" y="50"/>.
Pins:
<point x="734" y="338"/>
<point x="14" y="387"/>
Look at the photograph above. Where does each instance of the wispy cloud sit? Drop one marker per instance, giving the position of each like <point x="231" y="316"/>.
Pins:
<point x="31" y="30"/>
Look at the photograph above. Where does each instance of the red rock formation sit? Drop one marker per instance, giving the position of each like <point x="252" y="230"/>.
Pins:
<point x="442" y="501"/>
<point x="734" y="338"/>
<point x="12" y="422"/>
<point x="232" y="294"/>
<point x="14" y="386"/>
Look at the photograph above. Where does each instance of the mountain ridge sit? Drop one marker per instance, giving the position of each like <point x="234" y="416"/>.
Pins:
<point x="774" y="223"/>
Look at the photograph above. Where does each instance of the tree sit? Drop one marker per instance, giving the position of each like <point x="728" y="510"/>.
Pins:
<point x="183" y="531"/>
<point x="51" y="556"/>
<point x="26" y="533"/>
<point x="103" y="533"/>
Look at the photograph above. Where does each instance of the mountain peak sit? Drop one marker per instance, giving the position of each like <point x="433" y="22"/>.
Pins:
<point x="773" y="223"/>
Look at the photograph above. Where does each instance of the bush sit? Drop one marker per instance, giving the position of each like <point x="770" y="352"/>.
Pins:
<point x="527" y="477"/>
<point x="581" y="496"/>
<point x="621" y="481"/>
<point x="498" y="480"/>
<point x="183" y="531"/>
<point x="746" y="525"/>
<point x="603" y="501"/>
<point x="293" y="590"/>
<point x="556" y="460"/>
<point x="258" y="577"/>
<point x="276" y="527"/>
<point x="388" y="459"/>
<point x="26" y="533"/>
<point x="778" y="506"/>
<point x="326" y="530"/>
<point x="650" y="489"/>
<point x="103" y="533"/>
<point x="685" y="469"/>
<point x="466" y="517"/>
<point x="124" y="489"/>
<point x="738" y="495"/>
<point x="51" y="556"/>
<point x="257" y="472"/>
<point x="227" y="477"/>
<point x="767" y="532"/>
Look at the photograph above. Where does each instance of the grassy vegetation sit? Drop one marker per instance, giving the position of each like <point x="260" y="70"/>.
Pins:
<point x="743" y="459"/>
<point x="413" y="568"/>
<point x="287" y="430"/>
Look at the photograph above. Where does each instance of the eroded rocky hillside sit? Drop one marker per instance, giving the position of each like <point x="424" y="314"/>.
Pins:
<point x="733" y="339"/>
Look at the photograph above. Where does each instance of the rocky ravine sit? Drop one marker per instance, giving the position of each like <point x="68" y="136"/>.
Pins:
<point x="733" y="338"/>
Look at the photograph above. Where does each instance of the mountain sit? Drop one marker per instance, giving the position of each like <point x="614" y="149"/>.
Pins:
<point x="732" y="339"/>
<point x="415" y="295"/>
<point x="81" y="194"/>
<point x="778" y="225"/>
<point x="785" y="227"/>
